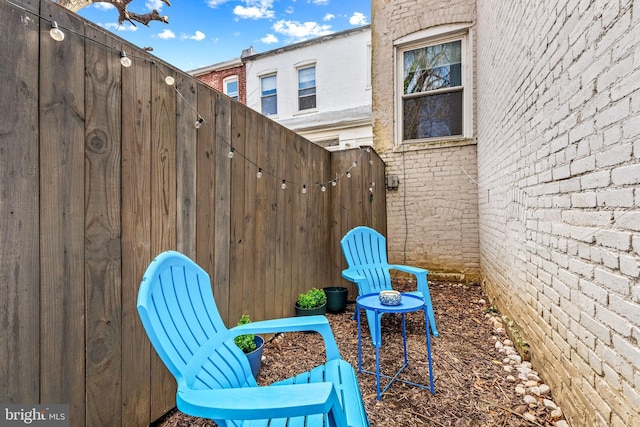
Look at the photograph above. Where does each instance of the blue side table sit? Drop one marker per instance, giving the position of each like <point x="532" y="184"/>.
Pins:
<point x="409" y="303"/>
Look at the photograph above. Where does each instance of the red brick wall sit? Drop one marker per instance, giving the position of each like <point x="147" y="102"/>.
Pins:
<point x="215" y="79"/>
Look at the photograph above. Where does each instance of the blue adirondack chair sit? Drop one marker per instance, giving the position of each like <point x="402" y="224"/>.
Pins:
<point x="365" y="251"/>
<point x="179" y="314"/>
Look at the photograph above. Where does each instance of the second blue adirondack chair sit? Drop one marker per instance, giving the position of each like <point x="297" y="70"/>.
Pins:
<point x="179" y="313"/>
<point x="365" y="251"/>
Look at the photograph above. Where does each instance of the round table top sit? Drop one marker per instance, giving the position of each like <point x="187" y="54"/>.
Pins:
<point x="408" y="303"/>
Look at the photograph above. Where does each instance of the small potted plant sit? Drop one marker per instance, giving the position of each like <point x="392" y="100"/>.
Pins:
<point x="252" y="346"/>
<point x="312" y="302"/>
<point x="336" y="298"/>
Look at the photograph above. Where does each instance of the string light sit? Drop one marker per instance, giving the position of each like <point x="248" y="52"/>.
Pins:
<point x="124" y="59"/>
<point x="58" y="35"/>
<point x="55" y="32"/>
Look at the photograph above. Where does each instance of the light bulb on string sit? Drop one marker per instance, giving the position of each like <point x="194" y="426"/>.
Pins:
<point x="348" y="174"/>
<point x="323" y="188"/>
<point x="354" y="164"/>
<point x="169" y="80"/>
<point x="232" y="152"/>
<point x="259" y="174"/>
<point x="370" y="161"/>
<point x="283" y="185"/>
<point x="55" y="32"/>
<point x="125" y="61"/>
<point x="334" y="182"/>
<point x="304" y="188"/>
<point x="198" y="123"/>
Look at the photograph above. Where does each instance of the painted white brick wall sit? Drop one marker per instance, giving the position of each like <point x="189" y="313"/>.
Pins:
<point x="558" y="127"/>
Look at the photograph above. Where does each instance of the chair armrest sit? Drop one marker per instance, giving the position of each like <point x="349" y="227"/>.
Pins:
<point x="409" y="269"/>
<point x="318" y="324"/>
<point x="253" y="403"/>
<point x="353" y="276"/>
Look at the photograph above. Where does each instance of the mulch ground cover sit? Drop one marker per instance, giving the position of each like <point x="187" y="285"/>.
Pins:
<point x="471" y="386"/>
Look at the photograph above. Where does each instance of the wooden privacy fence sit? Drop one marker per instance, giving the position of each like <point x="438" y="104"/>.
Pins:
<point x="101" y="169"/>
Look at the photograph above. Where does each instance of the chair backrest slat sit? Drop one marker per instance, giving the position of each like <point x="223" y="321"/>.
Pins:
<point x="365" y="251"/>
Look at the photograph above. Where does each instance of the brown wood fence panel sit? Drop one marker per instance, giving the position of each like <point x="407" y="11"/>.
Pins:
<point x="19" y="206"/>
<point x="102" y="168"/>
<point x="62" y="217"/>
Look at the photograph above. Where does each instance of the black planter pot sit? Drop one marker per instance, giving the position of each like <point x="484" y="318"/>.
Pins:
<point x="336" y="298"/>
<point x="255" y="357"/>
<point x="311" y="311"/>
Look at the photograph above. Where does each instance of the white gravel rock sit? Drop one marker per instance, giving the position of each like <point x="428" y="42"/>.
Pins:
<point x="562" y="423"/>
<point x="550" y="404"/>
<point x="520" y="390"/>
<point x="529" y="417"/>
<point x="544" y="389"/>
<point x="530" y="400"/>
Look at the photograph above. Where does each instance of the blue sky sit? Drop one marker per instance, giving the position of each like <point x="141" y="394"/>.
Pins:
<point x="205" y="32"/>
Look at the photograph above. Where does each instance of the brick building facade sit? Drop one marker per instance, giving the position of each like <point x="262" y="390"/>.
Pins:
<point x="553" y="162"/>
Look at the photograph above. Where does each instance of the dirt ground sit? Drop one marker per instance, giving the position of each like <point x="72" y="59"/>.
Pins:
<point x="471" y="386"/>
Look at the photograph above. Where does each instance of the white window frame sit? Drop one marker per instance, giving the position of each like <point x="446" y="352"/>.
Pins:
<point x="430" y="37"/>
<point x="228" y="80"/>
<point x="264" y="75"/>
<point x="301" y="66"/>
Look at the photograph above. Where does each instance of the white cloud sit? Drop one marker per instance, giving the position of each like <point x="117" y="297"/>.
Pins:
<point x="166" y="34"/>
<point x="328" y="17"/>
<point x="320" y="2"/>
<point x="358" y="19"/>
<point x="215" y="3"/>
<point x="114" y="26"/>
<point x="104" y="6"/>
<point x="289" y="10"/>
<point x="301" y="31"/>
<point x="154" y="4"/>
<point x="197" y="36"/>
<point x="255" y="10"/>
<point x="269" y="38"/>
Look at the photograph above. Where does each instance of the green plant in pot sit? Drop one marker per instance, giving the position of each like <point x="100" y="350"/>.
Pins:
<point x="251" y="345"/>
<point x="312" y="302"/>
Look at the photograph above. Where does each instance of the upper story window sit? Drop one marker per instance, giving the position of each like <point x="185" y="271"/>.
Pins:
<point x="269" y="95"/>
<point x="307" y="88"/>
<point x="435" y="89"/>
<point x="230" y="87"/>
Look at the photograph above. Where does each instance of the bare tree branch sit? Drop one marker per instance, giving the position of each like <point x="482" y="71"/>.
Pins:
<point x="121" y="6"/>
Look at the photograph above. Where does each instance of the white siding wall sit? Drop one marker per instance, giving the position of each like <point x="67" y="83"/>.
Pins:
<point x="343" y="95"/>
<point x="559" y="186"/>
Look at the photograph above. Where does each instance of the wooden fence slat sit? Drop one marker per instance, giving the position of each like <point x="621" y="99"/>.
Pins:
<point x="103" y="275"/>
<point x="19" y="206"/>
<point x="136" y="239"/>
<point x="222" y="193"/>
<point x="238" y="231"/>
<point x="250" y="256"/>
<point x="186" y="165"/>
<point x="163" y="209"/>
<point x="62" y="187"/>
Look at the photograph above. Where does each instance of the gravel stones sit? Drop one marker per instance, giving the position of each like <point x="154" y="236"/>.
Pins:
<point x="536" y="395"/>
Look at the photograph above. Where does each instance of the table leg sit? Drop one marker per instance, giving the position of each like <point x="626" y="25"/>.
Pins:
<point x="359" y="340"/>
<point x="404" y="340"/>
<point x="377" y="346"/>
<point x="426" y="318"/>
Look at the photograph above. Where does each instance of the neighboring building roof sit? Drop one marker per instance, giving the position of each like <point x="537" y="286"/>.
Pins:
<point x="324" y="120"/>
<point x="249" y="57"/>
<point x="220" y="66"/>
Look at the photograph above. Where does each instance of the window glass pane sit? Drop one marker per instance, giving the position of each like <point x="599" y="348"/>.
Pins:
<point x="269" y="95"/>
<point x="269" y="105"/>
<point x="432" y="116"/>
<point x="307" y="78"/>
<point x="307" y="102"/>
<point x="268" y="85"/>
<point x="231" y="89"/>
<point x="433" y="67"/>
